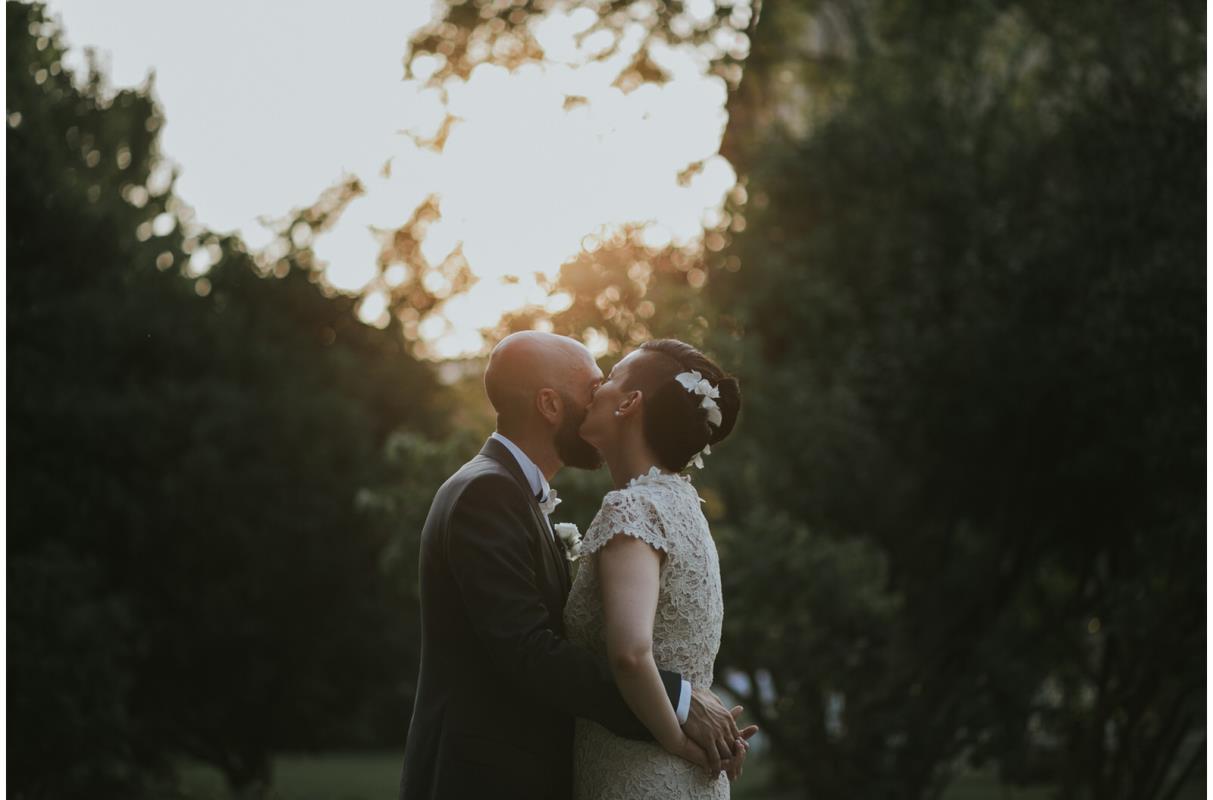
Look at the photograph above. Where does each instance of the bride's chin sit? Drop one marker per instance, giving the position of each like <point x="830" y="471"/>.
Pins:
<point x="596" y="439"/>
<point x="600" y="443"/>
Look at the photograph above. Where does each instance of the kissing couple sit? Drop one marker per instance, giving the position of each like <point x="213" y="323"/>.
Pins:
<point x="537" y="685"/>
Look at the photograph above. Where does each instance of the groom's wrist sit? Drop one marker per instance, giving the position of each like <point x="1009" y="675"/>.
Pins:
<point x="684" y="703"/>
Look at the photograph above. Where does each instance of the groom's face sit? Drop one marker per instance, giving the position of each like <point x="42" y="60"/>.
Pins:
<point x="576" y="398"/>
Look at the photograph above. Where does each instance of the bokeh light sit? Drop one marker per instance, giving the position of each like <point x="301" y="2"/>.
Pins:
<point x="535" y="160"/>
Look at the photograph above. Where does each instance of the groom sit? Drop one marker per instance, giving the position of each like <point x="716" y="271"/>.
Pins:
<point x="499" y="685"/>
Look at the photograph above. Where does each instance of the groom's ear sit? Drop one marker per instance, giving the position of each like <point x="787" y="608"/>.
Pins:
<point x="549" y="404"/>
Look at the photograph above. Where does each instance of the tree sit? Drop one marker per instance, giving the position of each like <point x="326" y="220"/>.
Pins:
<point x="977" y="342"/>
<point x="190" y="431"/>
<point x="961" y="282"/>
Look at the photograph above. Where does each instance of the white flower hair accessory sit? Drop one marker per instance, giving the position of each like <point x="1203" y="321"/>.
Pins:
<point x="695" y="383"/>
<point x="570" y="537"/>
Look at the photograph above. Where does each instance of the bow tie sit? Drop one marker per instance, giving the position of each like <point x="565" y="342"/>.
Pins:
<point x="549" y="505"/>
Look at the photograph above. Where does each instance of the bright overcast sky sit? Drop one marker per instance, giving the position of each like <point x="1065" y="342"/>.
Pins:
<point x="268" y="103"/>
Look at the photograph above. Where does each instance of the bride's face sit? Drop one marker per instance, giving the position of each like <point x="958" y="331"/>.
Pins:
<point x="602" y="424"/>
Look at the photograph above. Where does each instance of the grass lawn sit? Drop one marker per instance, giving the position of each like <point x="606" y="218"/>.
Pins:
<point x="329" y="776"/>
<point x="375" y="776"/>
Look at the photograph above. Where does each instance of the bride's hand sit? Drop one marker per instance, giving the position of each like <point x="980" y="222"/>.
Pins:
<point x="686" y="749"/>
<point x="741" y="747"/>
<point x="711" y="726"/>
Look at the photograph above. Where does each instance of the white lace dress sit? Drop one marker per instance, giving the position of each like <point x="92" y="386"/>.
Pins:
<point x="664" y="510"/>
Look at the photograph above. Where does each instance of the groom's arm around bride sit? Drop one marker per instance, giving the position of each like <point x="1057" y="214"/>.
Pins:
<point x="492" y="563"/>
<point x="499" y="685"/>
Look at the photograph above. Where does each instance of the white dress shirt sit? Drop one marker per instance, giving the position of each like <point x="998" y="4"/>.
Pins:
<point x="534" y="476"/>
<point x="540" y="489"/>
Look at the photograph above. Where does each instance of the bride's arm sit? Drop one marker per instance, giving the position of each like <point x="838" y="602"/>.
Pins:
<point x="629" y="572"/>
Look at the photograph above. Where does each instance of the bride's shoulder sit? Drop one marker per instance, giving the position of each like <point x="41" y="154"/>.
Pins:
<point x="640" y="493"/>
<point x="637" y="510"/>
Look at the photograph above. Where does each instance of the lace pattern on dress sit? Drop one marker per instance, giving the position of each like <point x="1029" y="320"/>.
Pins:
<point x="663" y="510"/>
<point x="626" y="513"/>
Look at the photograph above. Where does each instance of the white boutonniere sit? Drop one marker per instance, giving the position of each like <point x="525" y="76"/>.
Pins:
<point x="570" y="537"/>
<point x="549" y="505"/>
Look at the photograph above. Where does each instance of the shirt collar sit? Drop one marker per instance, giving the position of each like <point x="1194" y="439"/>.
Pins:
<point x="534" y="476"/>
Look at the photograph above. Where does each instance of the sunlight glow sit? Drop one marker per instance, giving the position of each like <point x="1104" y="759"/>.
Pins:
<point x="373" y="309"/>
<point x="525" y="177"/>
<point x="522" y="181"/>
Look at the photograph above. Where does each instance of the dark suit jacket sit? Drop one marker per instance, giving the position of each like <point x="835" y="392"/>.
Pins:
<point x="499" y="685"/>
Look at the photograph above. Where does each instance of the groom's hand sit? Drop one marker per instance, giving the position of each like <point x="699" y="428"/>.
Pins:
<point x="711" y="726"/>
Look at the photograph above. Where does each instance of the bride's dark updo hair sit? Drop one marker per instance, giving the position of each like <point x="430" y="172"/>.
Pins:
<point x="674" y="424"/>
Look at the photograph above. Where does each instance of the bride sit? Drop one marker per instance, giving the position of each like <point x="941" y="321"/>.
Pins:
<point x="647" y="592"/>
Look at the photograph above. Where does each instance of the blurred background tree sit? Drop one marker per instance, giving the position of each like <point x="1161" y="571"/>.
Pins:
<point x="194" y="565"/>
<point x="961" y="279"/>
<point x="974" y="291"/>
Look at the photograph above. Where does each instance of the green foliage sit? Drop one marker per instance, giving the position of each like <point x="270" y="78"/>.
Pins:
<point x="974" y="295"/>
<point x="70" y="661"/>
<point x="963" y="285"/>
<point x="193" y="572"/>
<point x="960" y="520"/>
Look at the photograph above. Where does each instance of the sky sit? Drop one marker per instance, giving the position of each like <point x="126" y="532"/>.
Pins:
<point x="269" y="103"/>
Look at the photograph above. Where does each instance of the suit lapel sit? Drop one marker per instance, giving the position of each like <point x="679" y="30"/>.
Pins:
<point x="555" y="549"/>
<point x="555" y="557"/>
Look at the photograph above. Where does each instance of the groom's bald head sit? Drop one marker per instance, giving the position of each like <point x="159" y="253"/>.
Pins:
<point x="525" y="363"/>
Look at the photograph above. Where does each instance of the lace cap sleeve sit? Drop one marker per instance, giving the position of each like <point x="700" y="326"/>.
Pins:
<point x="627" y="512"/>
